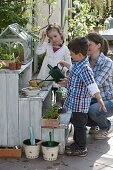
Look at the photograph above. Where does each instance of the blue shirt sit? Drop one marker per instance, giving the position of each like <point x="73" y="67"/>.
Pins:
<point x="103" y="74"/>
<point x="78" y="96"/>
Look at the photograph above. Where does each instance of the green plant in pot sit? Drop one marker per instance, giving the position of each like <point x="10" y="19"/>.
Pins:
<point x="31" y="146"/>
<point x="50" y="149"/>
<point x="12" y="65"/>
<point x="51" y="118"/>
<point x="18" y="51"/>
<point x="18" y="62"/>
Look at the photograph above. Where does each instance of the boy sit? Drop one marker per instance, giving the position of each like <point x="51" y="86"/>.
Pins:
<point x="81" y="87"/>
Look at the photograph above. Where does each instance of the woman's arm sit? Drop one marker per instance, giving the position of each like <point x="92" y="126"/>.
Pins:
<point x="100" y="101"/>
<point x="104" y="72"/>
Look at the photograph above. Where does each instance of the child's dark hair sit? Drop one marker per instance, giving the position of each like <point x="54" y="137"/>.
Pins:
<point x="79" y="45"/>
<point x="98" y="39"/>
<point x="55" y="26"/>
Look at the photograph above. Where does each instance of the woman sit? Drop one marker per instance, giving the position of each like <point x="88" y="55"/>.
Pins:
<point x="103" y="73"/>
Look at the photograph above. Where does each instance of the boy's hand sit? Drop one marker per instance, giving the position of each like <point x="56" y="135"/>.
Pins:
<point x="102" y="106"/>
<point x="64" y="64"/>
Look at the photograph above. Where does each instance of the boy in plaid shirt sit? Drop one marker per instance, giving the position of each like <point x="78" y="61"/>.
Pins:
<point x="81" y="87"/>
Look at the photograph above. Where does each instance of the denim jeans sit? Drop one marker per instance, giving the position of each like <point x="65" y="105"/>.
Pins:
<point x="79" y="123"/>
<point x="100" y="117"/>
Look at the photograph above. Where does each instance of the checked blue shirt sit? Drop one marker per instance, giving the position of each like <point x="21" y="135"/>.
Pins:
<point x="78" y="96"/>
<point x="103" y="74"/>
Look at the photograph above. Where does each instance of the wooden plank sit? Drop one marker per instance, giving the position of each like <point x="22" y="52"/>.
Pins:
<point x="12" y="108"/>
<point x="24" y="120"/>
<point x="3" y="111"/>
<point x="35" y="117"/>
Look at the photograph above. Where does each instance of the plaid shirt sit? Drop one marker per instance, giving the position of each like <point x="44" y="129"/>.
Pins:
<point x="103" y="74"/>
<point x="78" y="96"/>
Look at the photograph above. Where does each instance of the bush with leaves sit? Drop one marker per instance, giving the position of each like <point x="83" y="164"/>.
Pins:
<point x="82" y="20"/>
<point x="52" y="113"/>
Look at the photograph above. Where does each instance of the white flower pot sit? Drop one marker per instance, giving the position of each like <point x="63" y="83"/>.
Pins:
<point x="31" y="151"/>
<point x="50" y="153"/>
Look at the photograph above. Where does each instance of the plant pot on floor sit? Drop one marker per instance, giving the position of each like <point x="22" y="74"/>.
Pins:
<point x="50" y="150"/>
<point x="31" y="151"/>
<point x="10" y="152"/>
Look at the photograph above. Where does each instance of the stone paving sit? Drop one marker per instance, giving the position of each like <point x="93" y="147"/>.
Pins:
<point x="100" y="157"/>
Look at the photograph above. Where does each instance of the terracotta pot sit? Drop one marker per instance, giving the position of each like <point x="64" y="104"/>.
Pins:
<point x="10" y="152"/>
<point x="18" y="65"/>
<point x="12" y="66"/>
<point x="49" y="122"/>
<point x="20" y="54"/>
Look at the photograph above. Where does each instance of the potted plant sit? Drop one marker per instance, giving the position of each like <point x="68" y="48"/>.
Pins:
<point x="31" y="146"/>
<point x="50" y="149"/>
<point x="18" y="51"/>
<point x="6" y="58"/>
<point x="12" y="63"/>
<point x="50" y="118"/>
<point x="18" y="62"/>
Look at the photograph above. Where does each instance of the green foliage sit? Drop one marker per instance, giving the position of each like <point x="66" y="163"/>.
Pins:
<point x="50" y="2"/>
<point x="12" y="12"/>
<point x="82" y="20"/>
<point x="52" y="113"/>
<point x="10" y="53"/>
<point x="8" y="57"/>
<point x="17" y="48"/>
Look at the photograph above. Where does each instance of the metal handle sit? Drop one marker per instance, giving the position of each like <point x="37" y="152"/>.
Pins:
<point x="49" y="66"/>
<point x="58" y="67"/>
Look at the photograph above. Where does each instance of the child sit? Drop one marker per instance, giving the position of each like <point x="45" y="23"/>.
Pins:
<point x="55" y="49"/>
<point x="81" y="87"/>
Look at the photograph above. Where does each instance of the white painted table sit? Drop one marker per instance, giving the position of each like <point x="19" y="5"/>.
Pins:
<point x="31" y="110"/>
<point x="18" y="113"/>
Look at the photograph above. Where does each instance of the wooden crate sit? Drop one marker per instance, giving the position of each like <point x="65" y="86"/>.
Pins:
<point x="50" y="122"/>
<point x="10" y="152"/>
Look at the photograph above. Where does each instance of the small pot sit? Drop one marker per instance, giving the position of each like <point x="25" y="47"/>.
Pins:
<point x="31" y="151"/>
<point x="50" y="153"/>
<point x="18" y="65"/>
<point x="12" y="66"/>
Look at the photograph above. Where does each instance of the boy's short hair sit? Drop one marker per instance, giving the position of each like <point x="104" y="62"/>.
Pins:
<point x="79" y="45"/>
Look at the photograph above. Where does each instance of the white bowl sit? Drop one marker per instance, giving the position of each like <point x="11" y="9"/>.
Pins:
<point x="31" y="91"/>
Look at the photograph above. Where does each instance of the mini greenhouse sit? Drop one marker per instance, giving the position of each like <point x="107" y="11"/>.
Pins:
<point x="15" y="40"/>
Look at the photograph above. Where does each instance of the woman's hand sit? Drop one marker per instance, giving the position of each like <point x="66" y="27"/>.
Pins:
<point x="63" y="82"/>
<point x="101" y="104"/>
